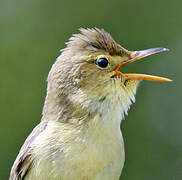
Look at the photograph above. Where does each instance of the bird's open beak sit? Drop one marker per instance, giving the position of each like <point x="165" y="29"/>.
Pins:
<point x="137" y="55"/>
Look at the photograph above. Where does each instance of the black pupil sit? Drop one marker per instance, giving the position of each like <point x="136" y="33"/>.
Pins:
<point x="102" y="62"/>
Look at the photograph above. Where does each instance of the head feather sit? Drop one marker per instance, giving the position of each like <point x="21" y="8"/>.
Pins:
<point x="95" y="40"/>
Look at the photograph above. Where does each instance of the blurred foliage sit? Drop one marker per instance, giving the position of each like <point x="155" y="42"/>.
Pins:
<point x="31" y="34"/>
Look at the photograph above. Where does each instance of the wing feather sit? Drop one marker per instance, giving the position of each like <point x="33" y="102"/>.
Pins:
<point x="24" y="160"/>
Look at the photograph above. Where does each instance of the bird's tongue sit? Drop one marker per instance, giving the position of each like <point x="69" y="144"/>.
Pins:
<point x="137" y="55"/>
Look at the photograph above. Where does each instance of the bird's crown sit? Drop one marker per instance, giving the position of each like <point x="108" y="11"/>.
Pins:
<point x="95" y="39"/>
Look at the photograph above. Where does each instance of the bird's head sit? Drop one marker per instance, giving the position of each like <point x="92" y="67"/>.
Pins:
<point x="89" y="71"/>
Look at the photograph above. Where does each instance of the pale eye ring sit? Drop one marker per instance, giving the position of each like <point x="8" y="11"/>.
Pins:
<point x="102" y="62"/>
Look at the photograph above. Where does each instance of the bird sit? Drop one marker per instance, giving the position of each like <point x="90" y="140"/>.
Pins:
<point x="88" y="95"/>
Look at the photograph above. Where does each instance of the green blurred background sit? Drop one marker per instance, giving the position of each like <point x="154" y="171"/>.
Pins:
<point x="31" y="35"/>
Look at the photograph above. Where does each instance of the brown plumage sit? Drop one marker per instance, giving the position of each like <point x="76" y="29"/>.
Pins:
<point x="96" y="40"/>
<point x="79" y="135"/>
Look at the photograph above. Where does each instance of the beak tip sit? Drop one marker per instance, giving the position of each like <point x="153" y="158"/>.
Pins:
<point x="166" y="49"/>
<point x="167" y="80"/>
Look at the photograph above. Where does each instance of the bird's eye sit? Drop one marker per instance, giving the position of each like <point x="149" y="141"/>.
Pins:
<point x="102" y="62"/>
